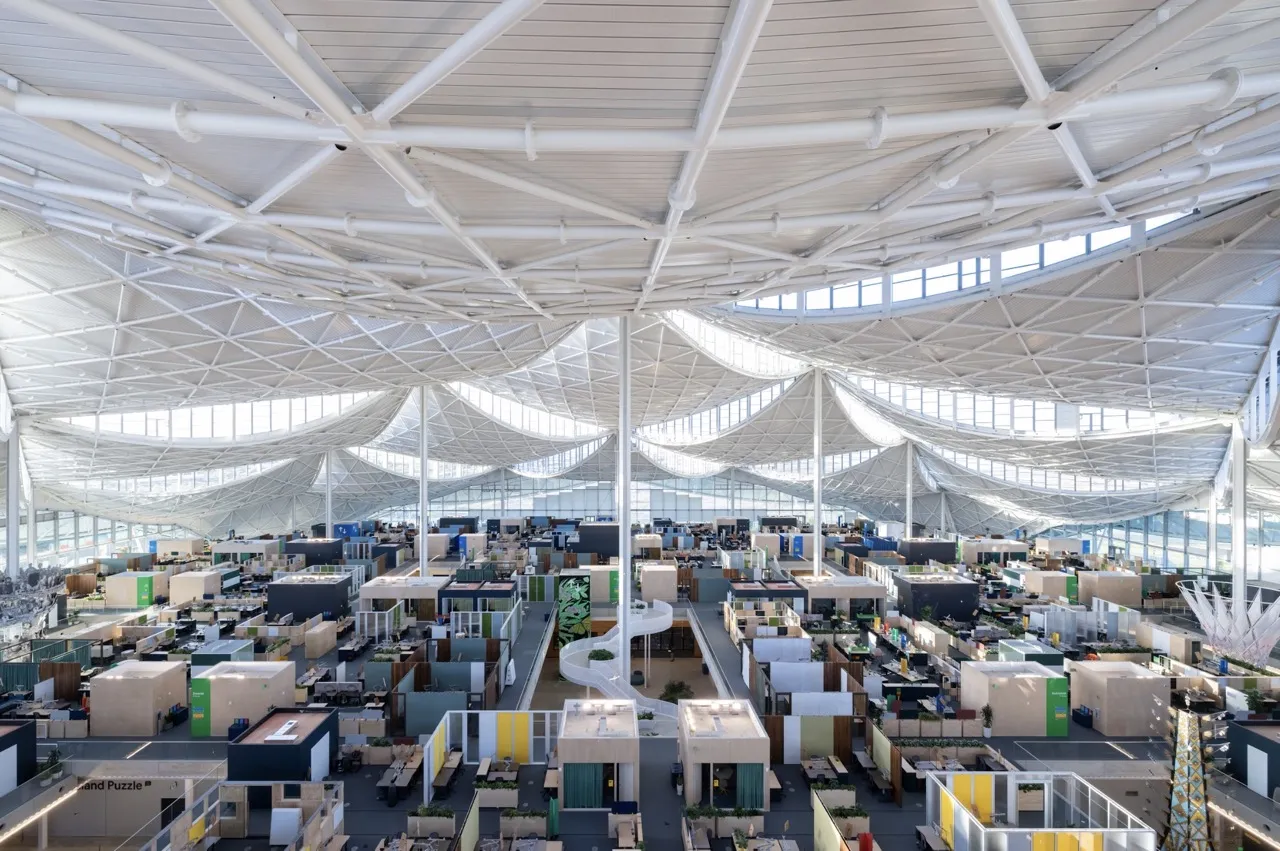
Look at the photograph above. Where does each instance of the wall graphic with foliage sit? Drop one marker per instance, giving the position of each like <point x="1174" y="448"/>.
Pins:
<point x="573" y="608"/>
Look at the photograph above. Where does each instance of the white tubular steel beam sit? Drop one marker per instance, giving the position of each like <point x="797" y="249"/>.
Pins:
<point x="504" y="17"/>
<point x="424" y="494"/>
<point x="12" y="496"/>
<point x="272" y="43"/>
<point x="1158" y="100"/>
<point x="818" y="387"/>
<point x="909" y="522"/>
<point x="86" y="28"/>
<point x="1239" y="500"/>
<point x="736" y="45"/>
<point x="528" y="187"/>
<point x="623" y="497"/>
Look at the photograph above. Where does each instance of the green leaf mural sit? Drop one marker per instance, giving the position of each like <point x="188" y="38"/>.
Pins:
<point x="573" y="603"/>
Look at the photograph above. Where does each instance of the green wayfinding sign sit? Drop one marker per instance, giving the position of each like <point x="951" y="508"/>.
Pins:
<point x="201" y="723"/>
<point x="1057" y="707"/>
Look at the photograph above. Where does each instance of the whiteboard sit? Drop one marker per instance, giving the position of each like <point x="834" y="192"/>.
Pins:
<point x="9" y="770"/>
<point x="1258" y="772"/>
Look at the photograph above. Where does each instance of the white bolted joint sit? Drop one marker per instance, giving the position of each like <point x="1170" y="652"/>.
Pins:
<point x="133" y="200"/>
<point x="416" y="200"/>
<point x="988" y="204"/>
<point x="1206" y="173"/>
<point x="777" y="224"/>
<point x="349" y="225"/>
<point x="1206" y="149"/>
<point x="163" y="178"/>
<point x="178" y="112"/>
<point x="564" y="239"/>
<point x="422" y="270"/>
<point x="1234" y="79"/>
<point x="681" y="201"/>
<point x="884" y="253"/>
<point x="1105" y="204"/>
<point x="880" y="116"/>
<point x="530" y="150"/>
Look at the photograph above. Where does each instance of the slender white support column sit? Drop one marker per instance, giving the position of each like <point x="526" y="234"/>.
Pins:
<point x="817" y="471"/>
<point x="910" y="507"/>
<point x="42" y="832"/>
<point x="1239" y="527"/>
<point x="623" y="496"/>
<point x="733" y="493"/>
<point x="424" y="507"/>
<point x="32" y="542"/>
<point x="1211" y="535"/>
<point x="943" y="525"/>
<point x="1261" y="543"/>
<point x="328" y="494"/>
<point x="189" y="792"/>
<point x="12" y="504"/>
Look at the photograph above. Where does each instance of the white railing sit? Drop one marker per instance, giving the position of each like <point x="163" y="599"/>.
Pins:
<point x="613" y="680"/>
<point x="1259" y="413"/>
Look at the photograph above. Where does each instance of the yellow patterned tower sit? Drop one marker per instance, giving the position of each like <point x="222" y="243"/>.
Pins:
<point x="1188" y="805"/>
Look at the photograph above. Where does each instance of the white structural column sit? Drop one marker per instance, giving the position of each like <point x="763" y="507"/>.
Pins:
<point x="1211" y="534"/>
<point x="623" y="497"/>
<point x="817" y="471"/>
<point x="943" y="525"/>
<point x="910" y="518"/>
<point x="328" y="494"/>
<point x="12" y="503"/>
<point x="424" y="505"/>
<point x="1239" y="526"/>
<point x="30" y="492"/>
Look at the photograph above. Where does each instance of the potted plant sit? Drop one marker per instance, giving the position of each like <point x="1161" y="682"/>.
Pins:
<point x="675" y="691"/>
<point x="850" y="821"/>
<point x="701" y="818"/>
<point x="516" y="822"/>
<point x="52" y="767"/>
<point x="646" y="722"/>
<point x="378" y="751"/>
<point x="988" y="715"/>
<point x="739" y="820"/>
<point x="1253" y="697"/>
<point x="601" y="659"/>
<point x="426" y="820"/>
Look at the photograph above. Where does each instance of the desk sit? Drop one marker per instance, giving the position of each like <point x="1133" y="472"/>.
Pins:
<point x="773" y="785"/>
<point x="865" y="762"/>
<point x="536" y="844"/>
<point x="762" y="843"/>
<point x="837" y="766"/>
<point x="551" y="783"/>
<point x="927" y="839"/>
<point x="626" y="835"/>
<point x="881" y="785"/>
<point x="817" y="770"/>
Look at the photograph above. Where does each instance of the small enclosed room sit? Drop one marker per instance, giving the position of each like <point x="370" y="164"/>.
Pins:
<point x="133" y="698"/>
<point x="659" y="581"/>
<point x="288" y="744"/>
<point x="853" y="595"/>
<point x="223" y="650"/>
<point x="598" y="753"/>
<point x="420" y="595"/>
<point x="305" y="595"/>
<point x="1116" y="586"/>
<point x="136" y="589"/>
<point x="937" y="595"/>
<point x="234" y="691"/>
<point x="1026" y="698"/>
<point x="194" y="585"/>
<point x="489" y="595"/>
<point x="1120" y="698"/>
<point x="245" y="551"/>
<point x="724" y="751"/>
<point x="784" y="591"/>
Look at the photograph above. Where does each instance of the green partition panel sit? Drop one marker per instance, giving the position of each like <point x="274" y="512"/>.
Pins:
<point x="1057" y="707"/>
<point x="201" y="722"/>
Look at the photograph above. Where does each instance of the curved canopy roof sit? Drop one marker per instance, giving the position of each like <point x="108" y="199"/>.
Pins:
<point x="237" y="204"/>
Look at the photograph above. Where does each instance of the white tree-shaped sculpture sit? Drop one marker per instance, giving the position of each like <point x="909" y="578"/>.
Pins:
<point x="1245" y="628"/>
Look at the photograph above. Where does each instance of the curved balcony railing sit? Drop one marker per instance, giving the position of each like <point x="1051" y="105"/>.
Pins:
<point x="612" y="680"/>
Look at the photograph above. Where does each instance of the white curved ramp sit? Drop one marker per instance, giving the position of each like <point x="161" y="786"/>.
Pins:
<point x="613" y="679"/>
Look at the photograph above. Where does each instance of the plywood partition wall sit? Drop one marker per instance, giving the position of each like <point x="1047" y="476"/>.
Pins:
<point x="796" y="737"/>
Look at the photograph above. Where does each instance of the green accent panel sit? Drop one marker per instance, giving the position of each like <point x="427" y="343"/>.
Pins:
<point x="613" y="586"/>
<point x="537" y="589"/>
<point x="145" y="586"/>
<point x="750" y="785"/>
<point x="573" y="604"/>
<point x="1057" y="707"/>
<point x="200" y="705"/>
<point x="487" y="624"/>
<point x="553" y="817"/>
<point x="583" y="785"/>
<point x="1073" y="589"/>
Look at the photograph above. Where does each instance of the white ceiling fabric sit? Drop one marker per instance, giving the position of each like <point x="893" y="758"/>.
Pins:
<point x="59" y="450"/>
<point x="783" y="430"/>
<point x="1190" y="451"/>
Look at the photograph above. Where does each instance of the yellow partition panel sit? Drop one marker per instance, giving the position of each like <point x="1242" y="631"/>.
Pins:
<point x="505" y="744"/>
<point x="984" y="793"/>
<point x="962" y="786"/>
<point x="522" y="724"/>
<point x="1042" y="841"/>
<point x="1068" y="841"/>
<point x="437" y="750"/>
<point x="946" y="822"/>
<point x="1091" y="842"/>
<point x="513" y="735"/>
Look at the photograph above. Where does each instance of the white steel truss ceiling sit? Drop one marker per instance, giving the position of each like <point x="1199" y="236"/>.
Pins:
<point x="207" y="203"/>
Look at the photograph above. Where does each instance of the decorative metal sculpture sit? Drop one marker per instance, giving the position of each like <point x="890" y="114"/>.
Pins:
<point x="1188" y="804"/>
<point x="1243" y="628"/>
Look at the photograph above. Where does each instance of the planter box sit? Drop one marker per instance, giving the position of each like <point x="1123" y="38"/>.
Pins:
<point x="851" y="827"/>
<point x="502" y="798"/>
<point x="832" y="798"/>
<point x="606" y="667"/>
<point x="377" y="756"/>
<point x="890" y="727"/>
<point x="522" y="826"/>
<point x="647" y="726"/>
<point x="971" y="728"/>
<point x="952" y="728"/>
<point x="421" y="827"/>
<point x="909" y="728"/>
<point x="931" y="729"/>
<point x="726" y="825"/>
<point x="707" y="824"/>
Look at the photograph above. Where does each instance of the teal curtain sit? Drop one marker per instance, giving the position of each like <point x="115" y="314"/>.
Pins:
<point x="553" y="817"/>
<point x="583" y="785"/>
<point x="751" y="785"/>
